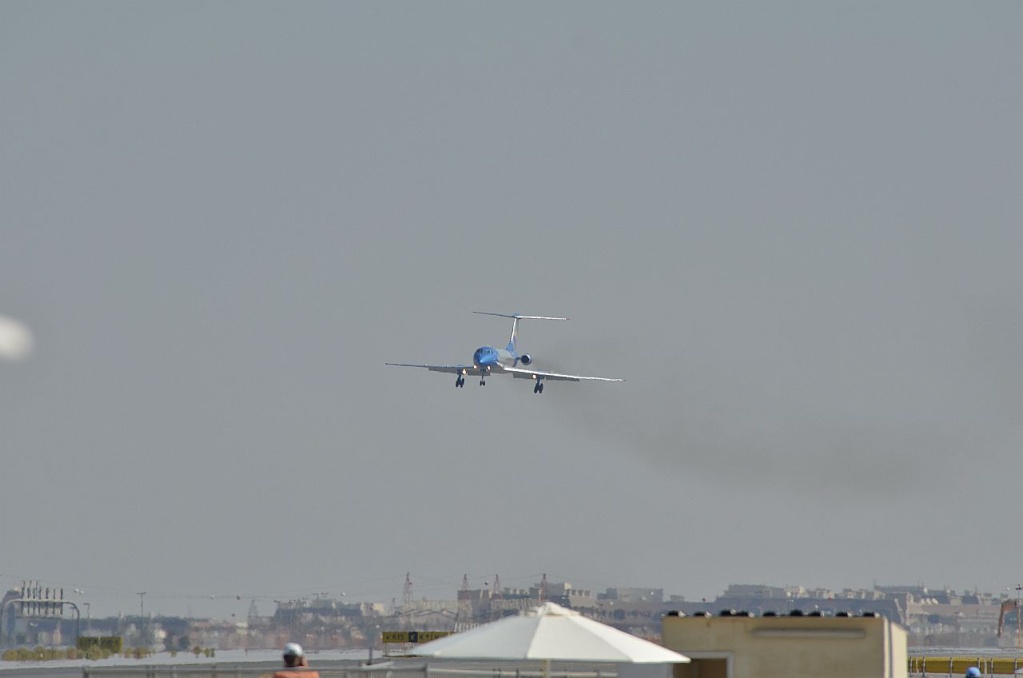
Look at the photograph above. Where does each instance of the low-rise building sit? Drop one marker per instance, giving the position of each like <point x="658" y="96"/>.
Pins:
<point x="747" y="646"/>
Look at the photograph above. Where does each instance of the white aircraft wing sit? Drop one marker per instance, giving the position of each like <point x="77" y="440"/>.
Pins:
<point x="521" y="373"/>
<point x="451" y="369"/>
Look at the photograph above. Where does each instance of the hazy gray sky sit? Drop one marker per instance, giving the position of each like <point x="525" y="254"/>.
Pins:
<point x="793" y="227"/>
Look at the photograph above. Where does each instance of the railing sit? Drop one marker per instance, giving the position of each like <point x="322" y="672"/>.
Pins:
<point x="956" y="666"/>
<point x="385" y="670"/>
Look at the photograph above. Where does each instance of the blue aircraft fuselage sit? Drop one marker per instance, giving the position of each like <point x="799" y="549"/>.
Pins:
<point x="488" y="357"/>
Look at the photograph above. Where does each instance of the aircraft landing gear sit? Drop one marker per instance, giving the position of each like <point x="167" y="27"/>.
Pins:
<point x="459" y="381"/>
<point x="538" y="387"/>
<point x="483" y="381"/>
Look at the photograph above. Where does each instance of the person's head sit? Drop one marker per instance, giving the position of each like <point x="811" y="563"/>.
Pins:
<point x="973" y="672"/>
<point x="293" y="655"/>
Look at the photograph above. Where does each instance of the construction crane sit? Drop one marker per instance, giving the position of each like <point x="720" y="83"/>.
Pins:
<point x="495" y="592"/>
<point x="1008" y="606"/>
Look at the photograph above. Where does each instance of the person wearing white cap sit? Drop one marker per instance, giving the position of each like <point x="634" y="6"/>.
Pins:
<point x="295" y="663"/>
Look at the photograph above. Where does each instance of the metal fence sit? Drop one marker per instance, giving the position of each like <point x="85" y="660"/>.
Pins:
<point x="955" y="666"/>
<point x="384" y="670"/>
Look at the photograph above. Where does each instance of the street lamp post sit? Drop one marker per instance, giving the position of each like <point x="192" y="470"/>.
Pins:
<point x="373" y="631"/>
<point x="1019" y="631"/>
<point x="142" y="616"/>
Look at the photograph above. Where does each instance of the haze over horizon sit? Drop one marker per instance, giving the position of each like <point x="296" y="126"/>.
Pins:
<point x="793" y="228"/>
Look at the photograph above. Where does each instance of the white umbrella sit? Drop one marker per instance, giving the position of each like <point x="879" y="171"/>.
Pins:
<point x="549" y="633"/>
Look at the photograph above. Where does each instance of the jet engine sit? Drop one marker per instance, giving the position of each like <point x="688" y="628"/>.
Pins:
<point x="525" y="358"/>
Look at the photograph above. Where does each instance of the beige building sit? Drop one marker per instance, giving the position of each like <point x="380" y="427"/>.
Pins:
<point x="742" y="646"/>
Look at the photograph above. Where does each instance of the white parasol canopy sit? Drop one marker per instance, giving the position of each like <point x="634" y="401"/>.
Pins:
<point x="549" y="633"/>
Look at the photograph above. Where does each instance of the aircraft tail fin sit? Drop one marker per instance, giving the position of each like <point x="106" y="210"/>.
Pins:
<point x="515" y="323"/>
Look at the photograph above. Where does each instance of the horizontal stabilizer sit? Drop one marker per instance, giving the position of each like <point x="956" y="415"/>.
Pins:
<point x="516" y="316"/>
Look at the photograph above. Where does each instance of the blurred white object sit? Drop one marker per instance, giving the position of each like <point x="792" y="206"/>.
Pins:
<point x="15" y="339"/>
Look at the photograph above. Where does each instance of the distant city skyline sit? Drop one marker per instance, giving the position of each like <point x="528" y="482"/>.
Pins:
<point x="224" y="606"/>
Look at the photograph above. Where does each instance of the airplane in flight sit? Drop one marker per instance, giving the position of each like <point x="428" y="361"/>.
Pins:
<point x="487" y="360"/>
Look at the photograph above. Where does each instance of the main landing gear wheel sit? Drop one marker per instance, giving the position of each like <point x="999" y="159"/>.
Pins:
<point x="459" y="382"/>
<point x="538" y="388"/>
